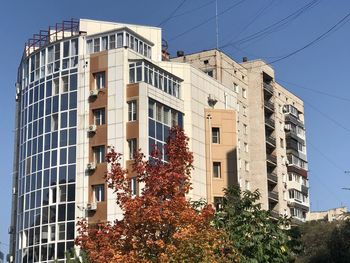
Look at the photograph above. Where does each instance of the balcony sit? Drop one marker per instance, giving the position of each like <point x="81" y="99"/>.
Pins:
<point x="297" y="170"/>
<point x="273" y="195"/>
<point x="291" y="118"/>
<point x="270" y="122"/>
<point x="271" y="140"/>
<point x="304" y="190"/>
<point x="272" y="177"/>
<point x="268" y="87"/>
<point x="274" y="213"/>
<point x="297" y="204"/>
<point x="271" y="159"/>
<point x="269" y="105"/>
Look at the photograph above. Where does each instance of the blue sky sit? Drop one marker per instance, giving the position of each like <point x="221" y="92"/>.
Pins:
<point x="319" y="74"/>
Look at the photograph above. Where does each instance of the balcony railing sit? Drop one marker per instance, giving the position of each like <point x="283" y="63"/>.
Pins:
<point x="270" y="122"/>
<point x="268" y="87"/>
<point x="271" y="140"/>
<point x="271" y="158"/>
<point x="291" y="118"/>
<point x="272" y="177"/>
<point x="273" y="195"/>
<point x="269" y="105"/>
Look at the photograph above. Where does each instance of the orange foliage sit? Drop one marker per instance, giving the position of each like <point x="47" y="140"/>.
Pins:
<point x="160" y="225"/>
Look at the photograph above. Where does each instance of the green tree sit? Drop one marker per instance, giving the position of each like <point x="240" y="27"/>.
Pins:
<point x="257" y="236"/>
<point x="325" y="242"/>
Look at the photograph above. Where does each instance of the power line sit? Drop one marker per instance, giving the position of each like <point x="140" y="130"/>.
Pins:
<point x="340" y="23"/>
<point x="327" y="116"/>
<point x="172" y="13"/>
<point x="326" y="157"/>
<point x="275" y="26"/>
<point x="256" y="16"/>
<point x="206" y="21"/>
<point x="314" y="90"/>
<point x="194" y="9"/>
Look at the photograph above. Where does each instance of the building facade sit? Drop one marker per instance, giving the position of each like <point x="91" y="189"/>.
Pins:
<point x="86" y="85"/>
<point x="271" y="147"/>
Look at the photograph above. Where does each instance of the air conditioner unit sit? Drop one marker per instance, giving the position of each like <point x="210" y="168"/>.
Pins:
<point x="93" y="93"/>
<point x="212" y="100"/>
<point x="91" y="166"/>
<point x="91" y="206"/>
<point x="92" y="128"/>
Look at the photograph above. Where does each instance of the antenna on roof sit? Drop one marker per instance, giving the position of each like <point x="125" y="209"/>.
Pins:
<point x="217" y="24"/>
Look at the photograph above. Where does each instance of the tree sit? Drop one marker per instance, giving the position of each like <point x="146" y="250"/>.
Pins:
<point x="324" y="241"/>
<point x="257" y="236"/>
<point x="160" y="225"/>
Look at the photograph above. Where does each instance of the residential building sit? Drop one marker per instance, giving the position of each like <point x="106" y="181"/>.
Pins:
<point x="271" y="153"/>
<point x="334" y="214"/>
<point x="85" y="85"/>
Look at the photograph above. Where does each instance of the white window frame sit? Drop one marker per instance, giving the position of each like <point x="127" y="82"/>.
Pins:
<point x="98" y="191"/>
<point x="132" y="110"/>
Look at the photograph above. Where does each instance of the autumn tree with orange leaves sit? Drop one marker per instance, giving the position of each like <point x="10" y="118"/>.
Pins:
<point x="160" y="225"/>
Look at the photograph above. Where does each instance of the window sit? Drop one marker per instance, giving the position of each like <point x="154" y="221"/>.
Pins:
<point x="217" y="169"/>
<point x="99" y="116"/>
<point x="246" y="166"/>
<point x="52" y="229"/>
<point x="244" y="93"/>
<point x="56" y="86"/>
<point x="133" y="186"/>
<point x="61" y="231"/>
<point x="98" y="193"/>
<point x="236" y="87"/>
<point x="100" y="80"/>
<point x="104" y="43"/>
<point x="245" y="128"/>
<point x="281" y="143"/>
<point x="111" y="41"/>
<point x="62" y="193"/>
<point x="132" y="110"/>
<point x="246" y="147"/>
<point x="244" y="110"/>
<point x="97" y="45"/>
<point x="132" y="145"/>
<point x="64" y="83"/>
<point x="99" y="154"/>
<point x="215" y="133"/>
<point x="210" y="73"/>
<point x="54" y="122"/>
<point x="218" y="201"/>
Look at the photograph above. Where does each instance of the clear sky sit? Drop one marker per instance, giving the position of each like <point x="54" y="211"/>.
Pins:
<point x="318" y="74"/>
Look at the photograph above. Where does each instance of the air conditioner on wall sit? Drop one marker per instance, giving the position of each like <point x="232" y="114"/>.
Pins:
<point x="93" y="93"/>
<point x="91" y="206"/>
<point x="92" y="128"/>
<point x="91" y="166"/>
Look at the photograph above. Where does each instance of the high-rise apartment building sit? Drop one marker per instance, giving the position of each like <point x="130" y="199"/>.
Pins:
<point x="85" y="85"/>
<point x="271" y="148"/>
